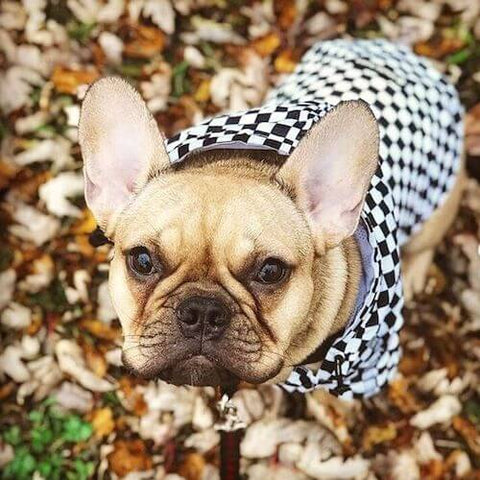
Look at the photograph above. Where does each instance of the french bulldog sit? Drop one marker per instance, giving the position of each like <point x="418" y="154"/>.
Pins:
<point x="238" y="258"/>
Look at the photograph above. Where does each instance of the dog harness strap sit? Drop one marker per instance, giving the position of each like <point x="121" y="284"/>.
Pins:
<point x="420" y="123"/>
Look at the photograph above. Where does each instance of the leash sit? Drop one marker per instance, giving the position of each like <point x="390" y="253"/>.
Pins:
<point x="230" y="427"/>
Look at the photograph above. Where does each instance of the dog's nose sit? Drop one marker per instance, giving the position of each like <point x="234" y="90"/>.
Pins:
<point x="203" y="316"/>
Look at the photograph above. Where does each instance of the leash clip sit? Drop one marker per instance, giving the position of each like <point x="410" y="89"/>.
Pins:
<point x="229" y="420"/>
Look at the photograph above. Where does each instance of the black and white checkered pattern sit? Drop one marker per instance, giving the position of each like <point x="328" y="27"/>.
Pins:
<point x="421" y="133"/>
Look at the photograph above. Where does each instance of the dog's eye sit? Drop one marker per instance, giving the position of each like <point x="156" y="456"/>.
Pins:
<point x="140" y="261"/>
<point x="272" y="271"/>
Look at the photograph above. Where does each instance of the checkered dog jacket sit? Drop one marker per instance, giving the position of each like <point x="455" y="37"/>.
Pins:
<point x="421" y="135"/>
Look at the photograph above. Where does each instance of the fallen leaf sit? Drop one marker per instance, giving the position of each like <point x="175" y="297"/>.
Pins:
<point x="95" y="360"/>
<point x="85" y="224"/>
<point x="129" y="456"/>
<point x="67" y="81"/>
<point x="100" y="329"/>
<point x="285" y="62"/>
<point x="441" y="411"/>
<point x="401" y="397"/>
<point x="202" y="94"/>
<point x="286" y="11"/>
<point x="102" y="421"/>
<point x="433" y="470"/>
<point x="73" y="397"/>
<point x="469" y="433"/>
<point x="71" y="361"/>
<point x="7" y="173"/>
<point x="134" y="400"/>
<point x="458" y="463"/>
<point x="267" y="44"/>
<point x="6" y="389"/>
<point x="377" y="434"/>
<point x="413" y="362"/>
<point x="192" y="467"/>
<point x="145" y="42"/>
<point x="57" y="191"/>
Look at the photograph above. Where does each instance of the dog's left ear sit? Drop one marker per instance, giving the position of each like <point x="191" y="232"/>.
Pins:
<point x="121" y="146"/>
<point x="331" y="169"/>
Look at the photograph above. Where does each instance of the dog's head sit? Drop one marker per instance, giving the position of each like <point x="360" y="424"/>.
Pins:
<point x="223" y="270"/>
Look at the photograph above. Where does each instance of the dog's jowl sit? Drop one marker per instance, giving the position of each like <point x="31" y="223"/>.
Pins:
<point x="270" y="245"/>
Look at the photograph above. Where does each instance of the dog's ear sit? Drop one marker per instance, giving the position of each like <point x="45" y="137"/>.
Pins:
<point x="331" y="169"/>
<point x="121" y="146"/>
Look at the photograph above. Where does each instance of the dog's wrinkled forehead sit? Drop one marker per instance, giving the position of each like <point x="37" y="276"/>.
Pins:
<point x="190" y="215"/>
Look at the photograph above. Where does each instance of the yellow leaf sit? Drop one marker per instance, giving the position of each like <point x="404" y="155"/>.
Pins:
<point x="285" y="63"/>
<point x="102" y="421"/>
<point x="376" y="434"/>
<point x="86" y="224"/>
<point x="68" y="81"/>
<point x="267" y="44"/>
<point x="202" y="93"/>
<point x="100" y="330"/>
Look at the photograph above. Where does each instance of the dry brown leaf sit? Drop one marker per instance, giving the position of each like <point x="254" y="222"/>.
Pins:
<point x="145" y="42"/>
<point x="139" y="406"/>
<point x="192" y="467"/>
<point x="129" y="456"/>
<point x="27" y="184"/>
<point x="7" y="173"/>
<point x="472" y="121"/>
<point x="438" y="48"/>
<point x="6" y="390"/>
<point x="98" y="55"/>
<point x="267" y="44"/>
<point x="475" y="475"/>
<point x="472" y="130"/>
<point x="433" y="470"/>
<point x="95" y="360"/>
<point x="67" y="81"/>
<point x="134" y="399"/>
<point x="286" y="12"/>
<point x="401" y="397"/>
<point x="458" y="463"/>
<point x="102" y="421"/>
<point x="469" y="433"/>
<point x="413" y="362"/>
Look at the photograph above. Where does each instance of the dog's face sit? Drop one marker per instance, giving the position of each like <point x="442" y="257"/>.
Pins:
<point x="219" y="270"/>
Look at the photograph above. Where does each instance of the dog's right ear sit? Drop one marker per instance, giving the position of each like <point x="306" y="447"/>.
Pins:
<point x="121" y="146"/>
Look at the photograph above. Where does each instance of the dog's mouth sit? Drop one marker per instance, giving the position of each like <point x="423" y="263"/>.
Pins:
<point x="198" y="371"/>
